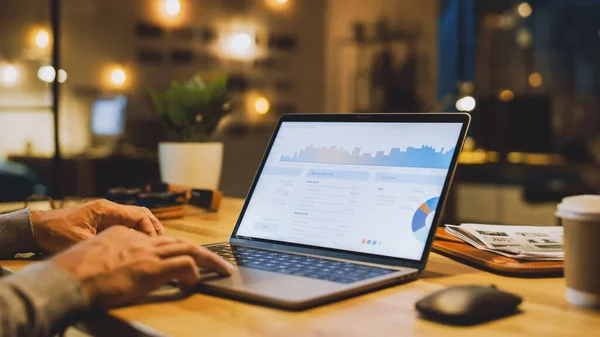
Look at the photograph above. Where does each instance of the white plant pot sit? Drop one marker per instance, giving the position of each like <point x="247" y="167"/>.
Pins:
<point x="196" y="165"/>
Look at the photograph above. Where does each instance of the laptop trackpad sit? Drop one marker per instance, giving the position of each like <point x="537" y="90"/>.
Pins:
<point x="240" y="277"/>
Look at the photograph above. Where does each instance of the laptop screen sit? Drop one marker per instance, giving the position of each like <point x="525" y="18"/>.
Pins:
<point x="362" y="187"/>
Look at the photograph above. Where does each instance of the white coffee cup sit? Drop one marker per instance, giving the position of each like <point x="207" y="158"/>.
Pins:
<point x="580" y="217"/>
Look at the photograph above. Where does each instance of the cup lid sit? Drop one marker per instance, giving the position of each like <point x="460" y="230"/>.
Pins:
<point x="580" y="205"/>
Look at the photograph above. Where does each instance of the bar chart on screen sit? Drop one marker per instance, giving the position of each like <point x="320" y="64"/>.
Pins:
<point x="423" y="157"/>
<point x="372" y="191"/>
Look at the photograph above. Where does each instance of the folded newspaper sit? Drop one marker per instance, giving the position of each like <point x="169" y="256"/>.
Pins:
<point x="519" y="242"/>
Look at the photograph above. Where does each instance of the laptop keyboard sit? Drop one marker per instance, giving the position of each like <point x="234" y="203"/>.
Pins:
<point x="299" y="265"/>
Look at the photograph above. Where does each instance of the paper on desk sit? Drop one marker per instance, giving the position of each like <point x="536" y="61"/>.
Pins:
<point x="518" y="242"/>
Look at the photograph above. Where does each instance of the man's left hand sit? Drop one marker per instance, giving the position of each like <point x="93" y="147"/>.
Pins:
<point x="56" y="230"/>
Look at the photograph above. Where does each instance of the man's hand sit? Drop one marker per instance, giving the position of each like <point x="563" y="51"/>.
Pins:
<point x="57" y="230"/>
<point x="121" y="265"/>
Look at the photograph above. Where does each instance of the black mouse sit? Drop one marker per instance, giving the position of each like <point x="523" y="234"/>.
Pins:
<point x="468" y="305"/>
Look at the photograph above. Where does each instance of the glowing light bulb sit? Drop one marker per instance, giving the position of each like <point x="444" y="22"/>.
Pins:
<point x="42" y="38"/>
<point x="506" y="95"/>
<point x="262" y="105"/>
<point x="62" y="76"/>
<point x="118" y="77"/>
<point x="241" y="42"/>
<point x="524" y="10"/>
<point x="283" y="2"/>
<point x="239" y="45"/>
<point x="535" y="80"/>
<point x="47" y="74"/>
<point x="466" y="103"/>
<point x="9" y="74"/>
<point x="172" y="7"/>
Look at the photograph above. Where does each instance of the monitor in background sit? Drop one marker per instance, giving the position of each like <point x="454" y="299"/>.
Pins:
<point x="108" y="116"/>
<point x="108" y="122"/>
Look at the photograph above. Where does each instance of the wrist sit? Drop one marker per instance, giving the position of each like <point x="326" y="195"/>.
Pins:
<point x="54" y="294"/>
<point x="37" y="220"/>
<point x="76" y="270"/>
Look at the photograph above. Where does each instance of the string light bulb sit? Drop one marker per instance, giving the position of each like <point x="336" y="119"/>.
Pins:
<point x="466" y="103"/>
<point x="535" y="80"/>
<point x="118" y="77"/>
<point x="47" y="74"/>
<point x="172" y="7"/>
<point x="42" y="38"/>
<point x="524" y="10"/>
<point x="278" y="5"/>
<point x="239" y="45"/>
<point x="241" y="42"/>
<point x="262" y="105"/>
<point x="9" y="74"/>
<point x="506" y="95"/>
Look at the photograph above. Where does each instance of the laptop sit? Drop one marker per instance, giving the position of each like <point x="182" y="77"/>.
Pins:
<point x="341" y="204"/>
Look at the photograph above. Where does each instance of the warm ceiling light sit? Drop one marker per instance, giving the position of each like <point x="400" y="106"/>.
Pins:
<point x="172" y="7"/>
<point x="9" y="74"/>
<point x="241" y="42"/>
<point x="262" y="105"/>
<point x="239" y="45"/>
<point x="118" y="77"/>
<point x="524" y="10"/>
<point x="42" y="38"/>
<point x="278" y="4"/>
<point x="47" y="73"/>
<point x="506" y="95"/>
<point x="466" y="103"/>
<point x="535" y="80"/>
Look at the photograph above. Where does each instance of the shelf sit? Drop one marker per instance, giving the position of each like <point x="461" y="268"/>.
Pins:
<point x="4" y="109"/>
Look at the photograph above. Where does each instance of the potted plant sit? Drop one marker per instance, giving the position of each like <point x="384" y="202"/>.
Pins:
<point x="192" y="110"/>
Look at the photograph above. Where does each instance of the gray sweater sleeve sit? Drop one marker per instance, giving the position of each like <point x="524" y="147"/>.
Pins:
<point x="16" y="234"/>
<point x="40" y="299"/>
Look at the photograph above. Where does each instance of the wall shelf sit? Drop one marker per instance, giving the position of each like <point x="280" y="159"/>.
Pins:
<point x="4" y="109"/>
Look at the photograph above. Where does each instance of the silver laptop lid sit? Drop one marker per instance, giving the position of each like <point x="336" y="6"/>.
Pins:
<point x="366" y="187"/>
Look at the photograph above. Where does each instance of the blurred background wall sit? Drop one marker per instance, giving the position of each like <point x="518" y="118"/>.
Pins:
<point x="527" y="71"/>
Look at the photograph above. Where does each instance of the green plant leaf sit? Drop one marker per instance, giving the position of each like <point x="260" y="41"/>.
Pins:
<point x="177" y="114"/>
<point x="182" y="103"/>
<point x="195" y="83"/>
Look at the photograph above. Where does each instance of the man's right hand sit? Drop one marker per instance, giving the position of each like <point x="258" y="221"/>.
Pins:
<point x="121" y="265"/>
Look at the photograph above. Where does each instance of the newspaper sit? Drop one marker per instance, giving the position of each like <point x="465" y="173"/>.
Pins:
<point x="518" y="242"/>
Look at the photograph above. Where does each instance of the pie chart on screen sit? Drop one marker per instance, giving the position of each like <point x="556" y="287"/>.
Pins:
<point x="423" y="218"/>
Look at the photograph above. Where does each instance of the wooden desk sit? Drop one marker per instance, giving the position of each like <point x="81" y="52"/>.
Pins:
<point x="388" y="312"/>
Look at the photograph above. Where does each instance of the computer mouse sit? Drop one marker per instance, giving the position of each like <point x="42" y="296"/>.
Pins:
<point x="468" y="305"/>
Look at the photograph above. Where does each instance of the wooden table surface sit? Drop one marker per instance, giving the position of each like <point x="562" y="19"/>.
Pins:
<point x="388" y="312"/>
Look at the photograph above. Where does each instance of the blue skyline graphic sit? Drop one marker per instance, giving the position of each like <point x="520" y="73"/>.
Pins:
<point x="423" y="157"/>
